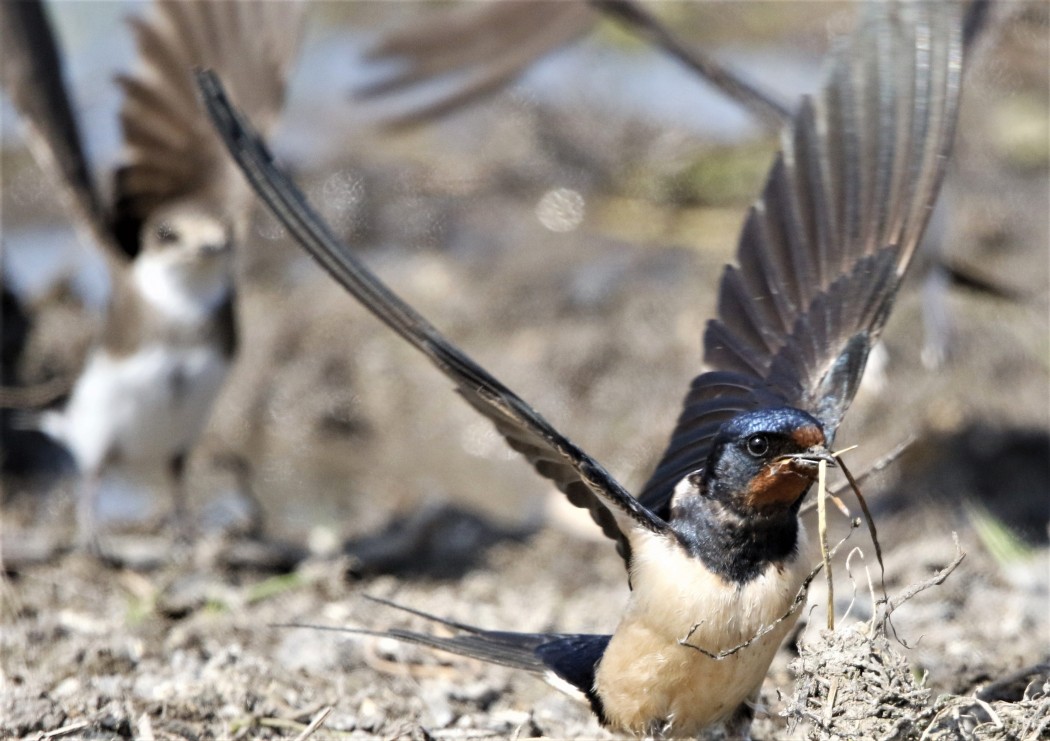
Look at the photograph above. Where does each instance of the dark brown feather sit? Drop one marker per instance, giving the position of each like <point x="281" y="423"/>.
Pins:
<point x="170" y="150"/>
<point x="822" y="252"/>
<point x="31" y="73"/>
<point x="489" y="44"/>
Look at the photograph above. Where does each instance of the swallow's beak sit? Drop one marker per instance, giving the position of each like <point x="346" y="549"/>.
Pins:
<point x="808" y="461"/>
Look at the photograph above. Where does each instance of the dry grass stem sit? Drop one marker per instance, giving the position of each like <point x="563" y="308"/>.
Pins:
<point x="822" y="529"/>
<point x="872" y="530"/>
<point x="315" y="724"/>
<point x="65" y="730"/>
<point x="800" y="599"/>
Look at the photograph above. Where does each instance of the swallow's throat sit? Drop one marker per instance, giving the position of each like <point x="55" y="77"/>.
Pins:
<point x="779" y="484"/>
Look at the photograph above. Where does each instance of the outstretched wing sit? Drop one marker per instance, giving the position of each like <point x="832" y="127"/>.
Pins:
<point x="824" y="249"/>
<point x="31" y="72"/>
<point x="583" y="479"/>
<point x="171" y="150"/>
<point x="490" y="44"/>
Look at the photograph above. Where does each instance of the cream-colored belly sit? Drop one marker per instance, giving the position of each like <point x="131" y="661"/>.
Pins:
<point x="651" y="684"/>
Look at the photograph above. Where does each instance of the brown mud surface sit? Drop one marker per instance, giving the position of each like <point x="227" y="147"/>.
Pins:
<point x="375" y="479"/>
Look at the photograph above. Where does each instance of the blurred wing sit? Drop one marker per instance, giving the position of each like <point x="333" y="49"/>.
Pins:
<point x="763" y="104"/>
<point x="584" y="480"/>
<point x="488" y="44"/>
<point x="171" y="151"/>
<point x="824" y="249"/>
<point x="31" y="72"/>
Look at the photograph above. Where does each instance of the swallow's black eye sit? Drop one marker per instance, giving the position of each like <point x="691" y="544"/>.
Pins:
<point x="758" y="445"/>
<point x="166" y="234"/>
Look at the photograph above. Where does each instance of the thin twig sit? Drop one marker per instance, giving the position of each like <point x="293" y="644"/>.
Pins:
<point x="315" y="724"/>
<point x="878" y="466"/>
<point x="829" y="706"/>
<point x="991" y="712"/>
<point x="65" y="729"/>
<point x="800" y="599"/>
<point x="871" y="524"/>
<point x="936" y="580"/>
<point x="852" y="581"/>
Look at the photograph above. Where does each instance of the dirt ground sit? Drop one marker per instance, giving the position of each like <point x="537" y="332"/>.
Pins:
<point x="375" y="480"/>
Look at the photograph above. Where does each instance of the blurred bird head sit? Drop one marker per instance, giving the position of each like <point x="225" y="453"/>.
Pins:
<point x="187" y="249"/>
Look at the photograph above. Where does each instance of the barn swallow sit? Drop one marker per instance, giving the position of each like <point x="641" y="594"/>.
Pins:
<point x="178" y="208"/>
<point x="716" y="555"/>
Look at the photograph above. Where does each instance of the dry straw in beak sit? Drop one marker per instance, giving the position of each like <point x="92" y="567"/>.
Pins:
<point x="822" y="527"/>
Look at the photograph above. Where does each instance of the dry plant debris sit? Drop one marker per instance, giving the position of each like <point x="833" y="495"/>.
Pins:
<point x="853" y="683"/>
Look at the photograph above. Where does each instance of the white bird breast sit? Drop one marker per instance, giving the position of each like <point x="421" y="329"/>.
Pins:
<point x="146" y="407"/>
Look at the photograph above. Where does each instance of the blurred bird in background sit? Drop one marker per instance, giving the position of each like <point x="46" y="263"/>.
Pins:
<point x="178" y="211"/>
<point x="488" y="45"/>
<point x="478" y="48"/>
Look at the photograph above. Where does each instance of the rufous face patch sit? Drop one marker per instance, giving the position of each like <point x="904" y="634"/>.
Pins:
<point x="808" y="436"/>
<point x="778" y="483"/>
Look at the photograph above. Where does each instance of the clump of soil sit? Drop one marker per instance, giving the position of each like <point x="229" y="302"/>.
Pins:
<point x="853" y="683"/>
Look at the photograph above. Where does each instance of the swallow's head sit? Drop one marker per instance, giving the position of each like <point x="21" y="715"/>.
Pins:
<point x="765" y="461"/>
<point x="186" y="232"/>
<point x="186" y="255"/>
